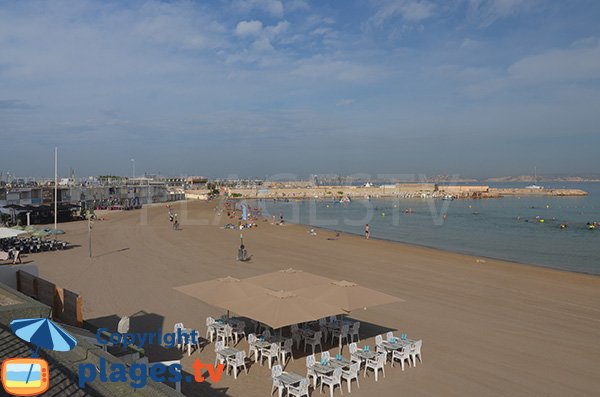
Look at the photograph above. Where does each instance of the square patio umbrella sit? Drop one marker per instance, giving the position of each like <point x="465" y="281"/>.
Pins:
<point x="288" y="280"/>
<point x="347" y="295"/>
<point x="281" y="308"/>
<point x="217" y="291"/>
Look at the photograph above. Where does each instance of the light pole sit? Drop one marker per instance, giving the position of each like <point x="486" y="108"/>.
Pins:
<point x="133" y="167"/>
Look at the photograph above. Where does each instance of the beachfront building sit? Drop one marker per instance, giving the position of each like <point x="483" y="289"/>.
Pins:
<point x="105" y="192"/>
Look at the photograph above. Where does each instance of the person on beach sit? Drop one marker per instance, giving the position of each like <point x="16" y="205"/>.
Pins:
<point x="281" y="222"/>
<point x="176" y="225"/>
<point x="367" y="231"/>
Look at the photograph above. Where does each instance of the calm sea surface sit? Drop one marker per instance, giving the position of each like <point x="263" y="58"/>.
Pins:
<point x="506" y="228"/>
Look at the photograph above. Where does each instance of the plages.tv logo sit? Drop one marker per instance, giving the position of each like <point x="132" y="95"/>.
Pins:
<point x="31" y="376"/>
<point x="138" y="373"/>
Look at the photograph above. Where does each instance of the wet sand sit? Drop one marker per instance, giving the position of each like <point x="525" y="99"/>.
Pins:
<point x="489" y="328"/>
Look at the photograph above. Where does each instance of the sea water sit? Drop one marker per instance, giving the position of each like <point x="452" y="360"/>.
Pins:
<point x="504" y="228"/>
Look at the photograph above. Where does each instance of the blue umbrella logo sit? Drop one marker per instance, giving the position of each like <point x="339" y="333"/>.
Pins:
<point x="43" y="333"/>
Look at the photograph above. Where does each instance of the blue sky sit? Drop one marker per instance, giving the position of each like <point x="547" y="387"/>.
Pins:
<point x="259" y="87"/>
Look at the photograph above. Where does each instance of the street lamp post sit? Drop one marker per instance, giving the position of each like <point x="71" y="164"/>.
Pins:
<point x="133" y="168"/>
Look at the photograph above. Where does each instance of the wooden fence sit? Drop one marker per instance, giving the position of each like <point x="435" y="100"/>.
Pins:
<point x="67" y="306"/>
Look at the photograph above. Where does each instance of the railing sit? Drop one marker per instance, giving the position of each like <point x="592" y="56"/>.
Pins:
<point x="67" y="306"/>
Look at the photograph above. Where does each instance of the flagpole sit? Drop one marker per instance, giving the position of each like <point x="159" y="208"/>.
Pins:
<point x="55" y="186"/>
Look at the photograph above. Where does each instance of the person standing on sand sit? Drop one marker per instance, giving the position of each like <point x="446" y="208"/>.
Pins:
<point x="367" y="231"/>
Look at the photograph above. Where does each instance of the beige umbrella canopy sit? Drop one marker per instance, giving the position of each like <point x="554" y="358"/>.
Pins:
<point x="288" y="280"/>
<point x="281" y="308"/>
<point x="347" y="295"/>
<point x="215" y="292"/>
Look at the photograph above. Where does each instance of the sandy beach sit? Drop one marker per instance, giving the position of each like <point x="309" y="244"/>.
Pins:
<point x="489" y="328"/>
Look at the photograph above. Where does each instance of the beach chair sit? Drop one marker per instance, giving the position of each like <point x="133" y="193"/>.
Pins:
<point x="277" y="384"/>
<point x="299" y="391"/>
<point x="351" y="374"/>
<point x="376" y="364"/>
<point x="239" y="360"/>
<point x="389" y="336"/>
<point x="332" y="381"/>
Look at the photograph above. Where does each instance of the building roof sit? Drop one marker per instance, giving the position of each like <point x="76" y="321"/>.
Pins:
<point x="64" y="366"/>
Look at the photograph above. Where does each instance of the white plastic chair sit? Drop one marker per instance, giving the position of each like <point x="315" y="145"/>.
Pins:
<point x="341" y="333"/>
<point x="300" y="390"/>
<point x="252" y="348"/>
<point x="310" y="372"/>
<point x="239" y="330"/>
<point x="225" y="334"/>
<point x="323" y="328"/>
<point x="314" y="341"/>
<point x="190" y="342"/>
<point x="210" y="330"/>
<point x="376" y="364"/>
<point x="266" y="334"/>
<point x="332" y="381"/>
<point x="325" y="355"/>
<point x="286" y="349"/>
<point x="176" y="327"/>
<point x="389" y="336"/>
<point x="277" y="384"/>
<point x="415" y="351"/>
<point x="296" y="335"/>
<point x="271" y="353"/>
<point x="351" y="374"/>
<point x="402" y="355"/>
<point x="219" y="345"/>
<point x="378" y="340"/>
<point x="354" y="331"/>
<point x="353" y="349"/>
<point x="123" y="326"/>
<point x="239" y="360"/>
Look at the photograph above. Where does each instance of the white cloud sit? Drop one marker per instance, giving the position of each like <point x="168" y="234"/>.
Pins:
<point x="344" y="102"/>
<point x="408" y="10"/>
<point x="249" y="28"/>
<point x="331" y="67"/>
<point x="278" y="29"/>
<point x="486" y="12"/>
<point x="571" y="64"/>
<point x="296" y="5"/>
<point x="273" y="7"/>
<point x="470" y="44"/>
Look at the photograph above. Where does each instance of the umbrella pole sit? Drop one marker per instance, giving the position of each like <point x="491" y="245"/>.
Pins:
<point x="35" y="354"/>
